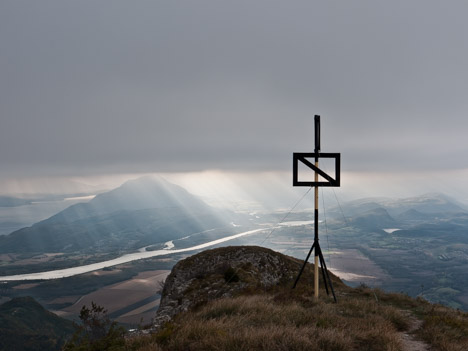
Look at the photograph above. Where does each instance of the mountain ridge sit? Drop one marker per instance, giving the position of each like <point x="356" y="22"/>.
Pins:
<point x="143" y="193"/>
<point x="430" y="205"/>
<point x="138" y="213"/>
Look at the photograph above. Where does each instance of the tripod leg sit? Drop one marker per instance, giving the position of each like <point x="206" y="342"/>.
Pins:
<point x="324" y="265"/>
<point x="324" y="277"/>
<point x="303" y="266"/>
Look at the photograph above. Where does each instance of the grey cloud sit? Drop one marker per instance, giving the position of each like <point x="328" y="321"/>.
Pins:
<point x="189" y="85"/>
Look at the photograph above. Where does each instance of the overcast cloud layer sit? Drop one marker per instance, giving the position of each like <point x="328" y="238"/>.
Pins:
<point x="156" y="86"/>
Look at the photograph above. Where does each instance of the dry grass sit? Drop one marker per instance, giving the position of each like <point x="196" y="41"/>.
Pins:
<point x="445" y="329"/>
<point x="269" y="322"/>
<point x="363" y="319"/>
<point x="442" y="328"/>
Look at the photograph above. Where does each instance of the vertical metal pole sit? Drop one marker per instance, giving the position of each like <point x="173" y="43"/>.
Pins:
<point x="316" y="257"/>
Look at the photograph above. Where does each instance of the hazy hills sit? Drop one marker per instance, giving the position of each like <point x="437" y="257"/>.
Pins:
<point x="138" y="213"/>
<point x="419" y="244"/>
<point x="150" y="210"/>
<point x="142" y="193"/>
<point x="376" y="217"/>
<point x="433" y="203"/>
<point x="402" y="213"/>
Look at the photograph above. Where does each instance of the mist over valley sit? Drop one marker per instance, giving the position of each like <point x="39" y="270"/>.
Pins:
<point x="416" y="245"/>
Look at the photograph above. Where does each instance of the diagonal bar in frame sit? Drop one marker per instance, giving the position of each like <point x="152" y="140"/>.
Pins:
<point x="318" y="170"/>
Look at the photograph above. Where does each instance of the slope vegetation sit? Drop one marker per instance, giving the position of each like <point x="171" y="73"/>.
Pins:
<point x="240" y="298"/>
<point x="26" y="325"/>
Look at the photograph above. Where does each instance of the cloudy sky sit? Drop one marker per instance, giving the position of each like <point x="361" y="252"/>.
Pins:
<point x="93" y="87"/>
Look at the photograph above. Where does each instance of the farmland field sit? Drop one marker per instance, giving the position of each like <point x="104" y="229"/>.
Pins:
<point x="129" y="301"/>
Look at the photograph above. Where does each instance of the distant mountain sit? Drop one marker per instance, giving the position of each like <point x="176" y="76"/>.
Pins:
<point x="26" y="325"/>
<point x="428" y="203"/>
<point x="412" y="215"/>
<point x="357" y="207"/>
<point x="376" y="218"/>
<point x="433" y="204"/>
<point x="139" y="194"/>
<point x="139" y="213"/>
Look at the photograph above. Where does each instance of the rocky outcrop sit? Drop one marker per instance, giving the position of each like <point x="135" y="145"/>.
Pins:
<point x="222" y="272"/>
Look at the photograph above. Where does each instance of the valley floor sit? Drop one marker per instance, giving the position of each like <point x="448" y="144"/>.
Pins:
<point x="133" y="301"/>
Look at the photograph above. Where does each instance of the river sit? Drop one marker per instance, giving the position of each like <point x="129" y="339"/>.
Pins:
<point x="168" y="250"/>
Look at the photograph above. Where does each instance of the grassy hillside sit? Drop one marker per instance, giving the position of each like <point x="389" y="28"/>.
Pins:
<point x="276" y="317"/>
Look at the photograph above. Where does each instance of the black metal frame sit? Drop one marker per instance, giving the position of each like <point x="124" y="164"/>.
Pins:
<point x="302" y="157"/>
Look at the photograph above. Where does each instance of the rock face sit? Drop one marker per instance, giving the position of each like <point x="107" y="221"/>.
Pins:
<point x="222" y="272"/>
